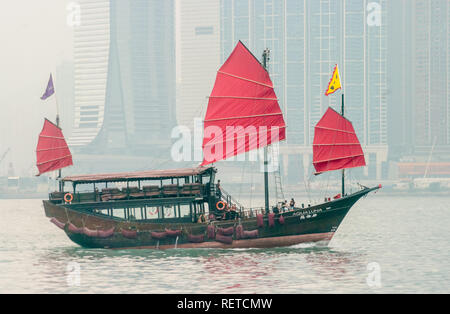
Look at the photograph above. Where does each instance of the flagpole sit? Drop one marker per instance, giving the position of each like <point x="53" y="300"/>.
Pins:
<point x="343" y="170"/>
<point x="332" y="88"/>
<point x="343" y="115"/>
<point x="57" y="105"/>
<point x="266" y="171"/>
<point x="58" y="125"/>
<point x="50" y="90"/>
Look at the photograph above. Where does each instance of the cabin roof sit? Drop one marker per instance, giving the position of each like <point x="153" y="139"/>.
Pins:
<point x="140" y="175"/>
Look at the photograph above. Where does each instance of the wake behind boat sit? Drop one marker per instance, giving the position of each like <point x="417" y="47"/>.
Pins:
<point x="187" y="208"/>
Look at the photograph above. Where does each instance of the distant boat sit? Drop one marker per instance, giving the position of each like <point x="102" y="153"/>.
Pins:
<point x="187" y="208"/>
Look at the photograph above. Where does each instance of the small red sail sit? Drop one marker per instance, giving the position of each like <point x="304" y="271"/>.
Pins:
<point x="52" y="152"/>
<point x="336" y="145"/>
<point x="243" y="111"/>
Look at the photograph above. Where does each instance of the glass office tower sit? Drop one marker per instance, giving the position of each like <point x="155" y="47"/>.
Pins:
<point x="307" y="38"/>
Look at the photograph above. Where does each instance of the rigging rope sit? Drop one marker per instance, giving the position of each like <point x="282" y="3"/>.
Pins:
<point x="242" y="180"/>
<point x="251" y="187"/>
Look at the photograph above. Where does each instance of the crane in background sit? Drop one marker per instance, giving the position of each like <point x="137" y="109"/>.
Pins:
<point x="4" y="154"/>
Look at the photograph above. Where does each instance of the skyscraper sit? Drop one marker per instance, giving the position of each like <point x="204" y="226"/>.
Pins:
<point x="307" y="38"/>
<point x="365" y="77"/>
<point x="431" y="82"/>
<point x="198" y="56"/>
<point x="140" y="92"/>
<point x="419" y="80"/>
<point x="400" y="78"/>
<point x="91" y="52"/>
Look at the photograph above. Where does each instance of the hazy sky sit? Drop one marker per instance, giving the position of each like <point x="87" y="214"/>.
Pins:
<point x="34" y="39"/>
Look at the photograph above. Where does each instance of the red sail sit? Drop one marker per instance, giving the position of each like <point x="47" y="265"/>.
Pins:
<point x="336" y="145"/>
<point x="243" y="111"/>
<point x="52" y="152"/>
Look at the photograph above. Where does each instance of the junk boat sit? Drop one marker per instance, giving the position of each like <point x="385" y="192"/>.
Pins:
<point x="187" y="208"/>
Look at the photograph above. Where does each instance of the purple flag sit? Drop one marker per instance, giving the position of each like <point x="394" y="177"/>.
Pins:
<point x="50" y="89"/>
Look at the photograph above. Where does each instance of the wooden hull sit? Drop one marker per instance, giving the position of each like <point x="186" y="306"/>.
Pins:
<point x="312" y="224"/>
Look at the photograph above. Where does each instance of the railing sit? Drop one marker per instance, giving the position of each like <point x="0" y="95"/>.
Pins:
<point x="230" y="199"/>
<point x="115" y="194"/>
<point x="252" y="212"/>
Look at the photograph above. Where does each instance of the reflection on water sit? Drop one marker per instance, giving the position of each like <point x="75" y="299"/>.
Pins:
<point x="35" y="255"/>
<point x="221" y="271"/>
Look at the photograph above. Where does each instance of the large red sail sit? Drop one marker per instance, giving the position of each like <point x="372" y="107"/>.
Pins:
<point x="336" y="145"/>
<point x="243" y="111"/>
<point x="52" y="152"/>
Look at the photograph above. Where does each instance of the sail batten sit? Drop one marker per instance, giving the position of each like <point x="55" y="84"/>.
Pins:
<point x="47" y="149"/>
<point x="243" y="112"/>
<point x="336" y="145"/>
<point x="246" y="79"/>
<point x="245" y="117"/>
<point x="235" y="138"/>
<point x="336" y="130"/>
<point x="52" y="152"/>
<point x="337" y="158"/>
<point x="242" y="97"/>
<point x="53" y="160"/>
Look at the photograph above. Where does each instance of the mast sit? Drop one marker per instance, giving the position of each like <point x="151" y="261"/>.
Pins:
<point x="343" y="170"/>
<point x="57" y="124"/>
<point x="52" y="152"/>
<point x="266" y="58"/>
<point x="59" y="171"/>
<point x="243" y="99"/>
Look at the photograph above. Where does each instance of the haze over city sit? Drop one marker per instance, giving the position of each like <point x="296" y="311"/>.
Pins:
<point x="228" y="147"/>
<point x="396" y="80"/>
<point x="35" y="40"/>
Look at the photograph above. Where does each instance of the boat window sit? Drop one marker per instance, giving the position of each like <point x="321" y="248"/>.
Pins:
<point x="185" y="210"/>
<point x="169" y="211"/>
<point x="205" y="179"/>
<point x="84" y="188"/>
<point x="153" y="212"/>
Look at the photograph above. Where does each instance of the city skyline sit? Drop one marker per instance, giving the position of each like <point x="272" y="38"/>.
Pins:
<point x="392" y="112"/>
<point x="140" y="91"/>
<point x="91" y="57"/>
<point x="198" y="37"/>
<point x="211" y="147"/>
<point x="307" y="39"/>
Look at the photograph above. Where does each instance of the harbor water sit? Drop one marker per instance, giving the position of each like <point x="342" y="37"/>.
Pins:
<point x="386" y="244"/>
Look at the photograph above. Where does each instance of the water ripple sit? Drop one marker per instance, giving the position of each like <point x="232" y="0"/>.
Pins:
<point x="408" y="241"/>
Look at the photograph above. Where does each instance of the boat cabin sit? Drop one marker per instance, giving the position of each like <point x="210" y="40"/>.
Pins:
<point x="180" y="195"/>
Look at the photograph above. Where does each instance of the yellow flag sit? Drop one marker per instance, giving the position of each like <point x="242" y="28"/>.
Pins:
<point x="335" y="82"/>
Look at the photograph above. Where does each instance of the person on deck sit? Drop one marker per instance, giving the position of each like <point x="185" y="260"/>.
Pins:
<point x="218" y="191"/>
<point x="228" y="213"/>
<point x="233" y="212"/>
<point x="276" y="209"/>
<point x="225" y="214"/>
<point x="201" y="219"/>
<point x="292" y="204"/>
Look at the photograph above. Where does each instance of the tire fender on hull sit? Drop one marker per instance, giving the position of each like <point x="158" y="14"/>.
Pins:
<point x="74" y="229"/>
<point x="57" y="223"/>
<point x="129" y="234"/>
<point x="106" y="233"/>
